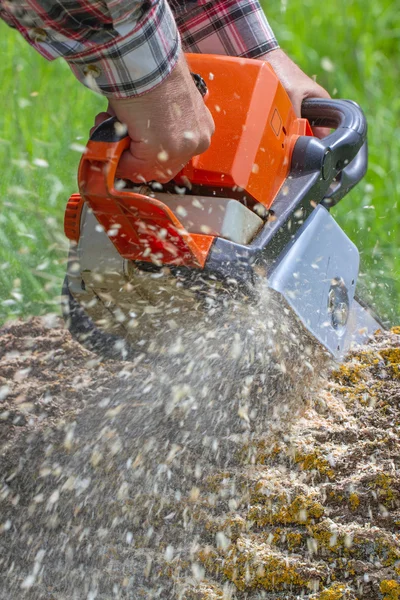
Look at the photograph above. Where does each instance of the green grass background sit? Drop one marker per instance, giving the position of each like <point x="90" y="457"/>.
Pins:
<point x="352" y="47"/>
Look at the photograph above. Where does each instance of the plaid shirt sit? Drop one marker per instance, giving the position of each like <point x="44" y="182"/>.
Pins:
<point x="125" y="48"/>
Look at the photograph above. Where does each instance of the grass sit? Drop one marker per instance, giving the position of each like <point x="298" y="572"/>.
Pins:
<point x="44" y="113"/>
<point x="352" y="49"/>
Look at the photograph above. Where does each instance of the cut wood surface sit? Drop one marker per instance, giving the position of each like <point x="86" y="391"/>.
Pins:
<point x="96" y="504"/>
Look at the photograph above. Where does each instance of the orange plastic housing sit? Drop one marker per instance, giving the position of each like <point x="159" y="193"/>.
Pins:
<point x="255" y="127"/>
<point x="255" y="132"/>
<point x="140" y="227"/>
<point x="72" y="217"/>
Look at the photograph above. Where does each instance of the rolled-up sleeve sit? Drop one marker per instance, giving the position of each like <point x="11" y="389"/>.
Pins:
<point x="125" y="48"/>
<point x="119" y="48"/>
<point x="232" y="27"/>
<point x="137" y="60"/>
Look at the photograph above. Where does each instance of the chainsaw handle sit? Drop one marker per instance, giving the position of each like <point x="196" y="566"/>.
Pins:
<point x="110" y="131"/>
<point x="342" y="156"/>
<point x="336" y="114"/>
<point x="348" y="178"/>
<point x="345" y="116"/>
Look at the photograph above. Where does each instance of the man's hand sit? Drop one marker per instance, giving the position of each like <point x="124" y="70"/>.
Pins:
<point x="167" y="126"/>
<point x="297" y="84"/>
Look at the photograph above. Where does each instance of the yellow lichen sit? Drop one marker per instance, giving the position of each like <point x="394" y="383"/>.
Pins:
<point x="313" y="461"/>
<point x="232" y="527"/>
<point x="259" y="453"/>
<point x="354" y="501"/>
<point x="301" y="511"/>
<point x="215" y="483"/>
<point x="294" y="540"/>
<point x="388" y="551"/>
<point x="354" y="371"/>
<point x="273" y="574"/>
<point x="251" y="565"/>
<point x="326" y="538"/>
<point x="361" y="546"/>
<point x="204" y="591"/>
<point x="391" y="356"/>
<point x="384" y="485"/>
<point x="353" y="376"/>
<point x="346" y="375"/>
<point x="391" y="589"/>
<point x="277" y="538"/>
<point x="396" y="329"/>
<point x="337" y="591"/>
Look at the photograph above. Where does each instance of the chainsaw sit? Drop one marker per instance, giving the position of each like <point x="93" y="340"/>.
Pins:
<point x="255" y="207"/>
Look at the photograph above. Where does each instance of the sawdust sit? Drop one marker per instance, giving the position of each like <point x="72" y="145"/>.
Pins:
<point x="108" y="493"/>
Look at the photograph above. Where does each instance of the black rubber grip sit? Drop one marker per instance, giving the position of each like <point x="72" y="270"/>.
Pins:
<point x="335" y="114"/>
<point x="200" y="84"/>
<point x="110" y="131"/>
<point x="342" y="156"/>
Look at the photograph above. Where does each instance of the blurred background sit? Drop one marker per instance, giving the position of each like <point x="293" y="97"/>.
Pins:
<point x="351" y="47"/>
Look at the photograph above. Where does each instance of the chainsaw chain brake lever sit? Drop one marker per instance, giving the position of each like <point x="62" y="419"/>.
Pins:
<point x="342" y="156"/>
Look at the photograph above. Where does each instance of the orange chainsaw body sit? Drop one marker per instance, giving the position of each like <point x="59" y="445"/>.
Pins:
<point x="250" y="155"/>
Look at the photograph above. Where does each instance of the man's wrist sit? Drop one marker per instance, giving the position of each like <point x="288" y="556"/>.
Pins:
<point x="272" y="54"/>
<point x="179" y="78"/>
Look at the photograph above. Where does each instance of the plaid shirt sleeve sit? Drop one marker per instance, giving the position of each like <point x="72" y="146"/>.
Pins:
<point x="231" y="27"/>
<point x="124" y="48"/>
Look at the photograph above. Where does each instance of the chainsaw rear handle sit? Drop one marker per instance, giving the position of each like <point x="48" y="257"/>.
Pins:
<point x="110" y="131"/>
<point x="331" y="155"/>
<point x="343" y="152"/>
<point x="349" y="177"/>
<point x="336" y="114"/>
<point x="341" y="157"/>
